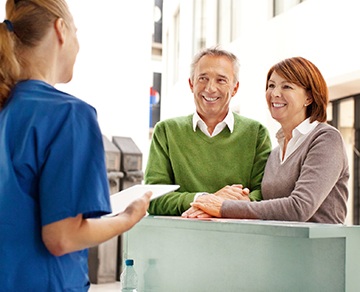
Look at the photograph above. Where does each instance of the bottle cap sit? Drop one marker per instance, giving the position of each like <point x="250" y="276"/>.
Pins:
<point x="129" y="262"/>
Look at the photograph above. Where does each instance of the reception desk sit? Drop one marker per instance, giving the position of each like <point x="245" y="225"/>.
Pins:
<point x="184" y="255"/>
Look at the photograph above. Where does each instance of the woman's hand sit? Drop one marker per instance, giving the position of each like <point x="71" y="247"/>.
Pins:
<point x="193" y="212"/>
<point x="76" y="233"/>
<point x="210" y="204"/>
<point x="136" y="210"/>
<point x="233" y="192"/>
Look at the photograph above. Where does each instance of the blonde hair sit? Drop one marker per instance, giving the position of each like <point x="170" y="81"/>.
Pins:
<point x="30" y="20"/>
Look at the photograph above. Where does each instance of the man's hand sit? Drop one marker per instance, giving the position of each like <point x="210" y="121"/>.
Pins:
<point x="233" y="192"/>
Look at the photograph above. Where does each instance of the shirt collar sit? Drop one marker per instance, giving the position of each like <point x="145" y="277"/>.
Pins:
<point x="229" y="121"/>
<point x="304" y="128"/>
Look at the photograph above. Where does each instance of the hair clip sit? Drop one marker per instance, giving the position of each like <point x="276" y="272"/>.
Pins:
<point x="9" y="25"/>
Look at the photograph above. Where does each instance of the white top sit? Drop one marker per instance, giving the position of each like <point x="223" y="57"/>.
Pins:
<point x="228" y="121"/>
<point x="299" y="134"/>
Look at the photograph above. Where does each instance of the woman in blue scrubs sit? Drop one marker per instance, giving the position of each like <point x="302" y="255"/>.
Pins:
<point x="53" y="181"/>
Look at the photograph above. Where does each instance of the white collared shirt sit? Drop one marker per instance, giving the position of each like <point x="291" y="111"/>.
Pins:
<point x="228" y="121"/>
<point x="299" y="134"/>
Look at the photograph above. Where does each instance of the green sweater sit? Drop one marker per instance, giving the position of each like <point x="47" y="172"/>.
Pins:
<point x="199" y="163"/>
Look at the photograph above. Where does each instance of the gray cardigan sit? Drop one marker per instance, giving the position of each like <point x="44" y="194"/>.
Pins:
<point x="311" y="185"/>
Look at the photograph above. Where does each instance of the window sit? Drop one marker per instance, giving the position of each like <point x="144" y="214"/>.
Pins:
<point x="345" y="115"/>
<point x="157" y="35"/>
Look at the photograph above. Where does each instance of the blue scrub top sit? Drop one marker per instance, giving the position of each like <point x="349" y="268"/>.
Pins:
<point x="52" y="167"/>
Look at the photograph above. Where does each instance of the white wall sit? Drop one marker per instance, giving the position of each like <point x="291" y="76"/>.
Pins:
<point x="113" y="69"/>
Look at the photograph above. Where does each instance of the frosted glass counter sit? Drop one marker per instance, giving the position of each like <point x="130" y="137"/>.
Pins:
<point x="185" y="255"/>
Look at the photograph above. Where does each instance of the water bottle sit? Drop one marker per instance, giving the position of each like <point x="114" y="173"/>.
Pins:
<point x="128" y="277"/>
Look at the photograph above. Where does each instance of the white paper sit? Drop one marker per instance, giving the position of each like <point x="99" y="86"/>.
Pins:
<point x="119" y="201"/>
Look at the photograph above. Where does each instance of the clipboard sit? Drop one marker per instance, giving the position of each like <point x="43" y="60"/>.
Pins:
<point x="119" y="201"/>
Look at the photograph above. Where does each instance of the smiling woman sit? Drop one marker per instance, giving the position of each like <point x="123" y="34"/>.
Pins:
<point x="287" y="103"/>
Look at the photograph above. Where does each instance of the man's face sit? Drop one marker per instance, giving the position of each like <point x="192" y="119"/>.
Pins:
<point x="213" y="87"/>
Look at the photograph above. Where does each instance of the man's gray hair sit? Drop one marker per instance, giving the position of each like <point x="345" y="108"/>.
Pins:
<point x="217" y="52"/>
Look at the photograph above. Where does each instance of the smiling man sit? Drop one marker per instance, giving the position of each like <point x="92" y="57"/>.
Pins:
<point x="212" y="150"/>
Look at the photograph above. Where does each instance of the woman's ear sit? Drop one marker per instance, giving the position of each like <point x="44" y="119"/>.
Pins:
<point x="309" y="100"/>
<point x="60" y="28"/>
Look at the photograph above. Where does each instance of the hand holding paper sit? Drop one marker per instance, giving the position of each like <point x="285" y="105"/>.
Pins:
<point x="121" y="200"/>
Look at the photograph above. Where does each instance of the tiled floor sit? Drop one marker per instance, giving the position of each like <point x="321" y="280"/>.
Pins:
<point x="108" y="287"/>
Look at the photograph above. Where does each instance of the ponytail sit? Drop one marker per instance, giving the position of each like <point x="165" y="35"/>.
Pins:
<point x="10" y="67"/>
<point x="27" y="23"/>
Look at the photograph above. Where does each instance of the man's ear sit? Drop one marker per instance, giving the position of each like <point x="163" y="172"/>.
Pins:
<point x="191" y="85"/>
<point x="236" y="87"/>
<point x="60" y="28"/>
